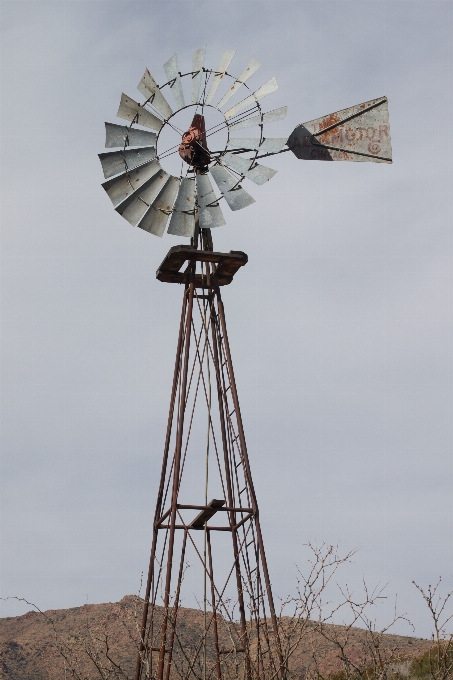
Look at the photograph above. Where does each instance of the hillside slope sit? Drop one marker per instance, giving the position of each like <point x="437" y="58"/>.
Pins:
<point x="29" y="643"/>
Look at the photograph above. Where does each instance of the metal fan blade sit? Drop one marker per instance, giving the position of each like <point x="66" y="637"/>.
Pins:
<point x="262" y="92"/>
<point x="270" y="117"/>
<point x="150" y="89"/>
<point x="121" y="161"/>
<point x="225" y="61"/>
<point x="245" y="75"/>
<point x="236" y="197"/>
<point x="156" y="218"/>
<point x="359" y="133"/>
<point x="132" y="111"/>
<point x="197" y="73"/>
<point x="133" y="208"/>
<point x="182" y="222"/>
<point x="171" y="69"/>
<point x="120" y="188"/>
<point x="257" y="173"/>
<point x="122" y="135"/>
<point x="268" y="145"/>
<point x="209" y="212"/>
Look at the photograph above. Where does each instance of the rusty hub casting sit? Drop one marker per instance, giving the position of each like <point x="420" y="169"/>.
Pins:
<point x="193" y="148"/>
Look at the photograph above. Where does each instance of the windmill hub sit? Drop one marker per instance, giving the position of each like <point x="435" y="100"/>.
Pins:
<point x="193" y="148"/>
<point x="184" y="129"/>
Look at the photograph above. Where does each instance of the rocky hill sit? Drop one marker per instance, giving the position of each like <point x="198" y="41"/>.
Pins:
<point x="48" y="647"/>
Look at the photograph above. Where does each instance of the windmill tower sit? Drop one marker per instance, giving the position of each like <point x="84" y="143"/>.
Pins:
<point x="207" y="552"/>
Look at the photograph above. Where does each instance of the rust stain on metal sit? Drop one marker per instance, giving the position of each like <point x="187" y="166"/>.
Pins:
<point x="328" y="121"/>
<point x="194" y="148"/>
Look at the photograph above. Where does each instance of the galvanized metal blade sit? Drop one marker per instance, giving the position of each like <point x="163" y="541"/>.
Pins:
<point x="115" y="162"/>
<point x="268" y="145"/>
<point x="209" y="212"/>
<point x="139" y="203"/>
<point x="182" y="221"/>
<point x="236" y="197"/>
<point x="262" y="92"/>
<point x="259" y="174"/>
<point x="132" y="111"/>
<point x="197" y="73"/>
<point x="171" y="69"/>
<point x="250" y="69"/>
<point x="359" y="133"/>
<point x="122" y="135"/>
<point x="225" y="61"/>
<point x="156" y="218"/>
<point x="150" y="89"/>
<point x="122" y="187"/>
<point x="270" y="117"/>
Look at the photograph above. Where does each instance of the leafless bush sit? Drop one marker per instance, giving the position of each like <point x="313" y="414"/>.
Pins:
<point x="437" y="662"/>
<point x="327" y="632"/>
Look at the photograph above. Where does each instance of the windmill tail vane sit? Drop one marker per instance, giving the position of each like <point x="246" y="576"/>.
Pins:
<point x="208" y="565"/>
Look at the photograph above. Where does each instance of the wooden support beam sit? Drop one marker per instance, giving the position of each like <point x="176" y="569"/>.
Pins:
<point x="206" y="514"/>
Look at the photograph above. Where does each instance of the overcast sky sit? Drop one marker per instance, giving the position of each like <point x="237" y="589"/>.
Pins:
<point x="340" y="325"/>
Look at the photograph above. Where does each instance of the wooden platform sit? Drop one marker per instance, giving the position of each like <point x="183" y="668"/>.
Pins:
<point x="227" y="264"/>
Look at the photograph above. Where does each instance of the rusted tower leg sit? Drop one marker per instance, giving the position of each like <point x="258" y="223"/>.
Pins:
<point x="232" y="514"/>
<point x="214" y="607"/>
<point x="180" y="364"/>
<point x="235" y="398"/>
<point x="158" y="511"/>
<point x="176" y="470"/>
<point x="175" y="608"/>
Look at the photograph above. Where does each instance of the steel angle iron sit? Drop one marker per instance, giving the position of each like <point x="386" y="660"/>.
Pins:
<point x="240" y="639"/>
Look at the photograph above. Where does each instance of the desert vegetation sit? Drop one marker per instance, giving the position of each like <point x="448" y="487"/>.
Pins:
<point x="322" y="638"/>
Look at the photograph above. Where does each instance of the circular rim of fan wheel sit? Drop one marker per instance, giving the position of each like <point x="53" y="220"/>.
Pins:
<point x="143" y="193"/>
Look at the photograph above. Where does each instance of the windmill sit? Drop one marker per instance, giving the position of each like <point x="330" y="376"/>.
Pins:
<point x="207" y="544"/>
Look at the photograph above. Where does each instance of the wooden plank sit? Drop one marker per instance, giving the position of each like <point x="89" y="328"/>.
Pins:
<point x="227" y="265"/>
<point x="206" y="514"/>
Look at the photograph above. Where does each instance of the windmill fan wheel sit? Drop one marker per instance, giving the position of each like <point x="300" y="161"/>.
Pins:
<point x="149" y="197"/>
